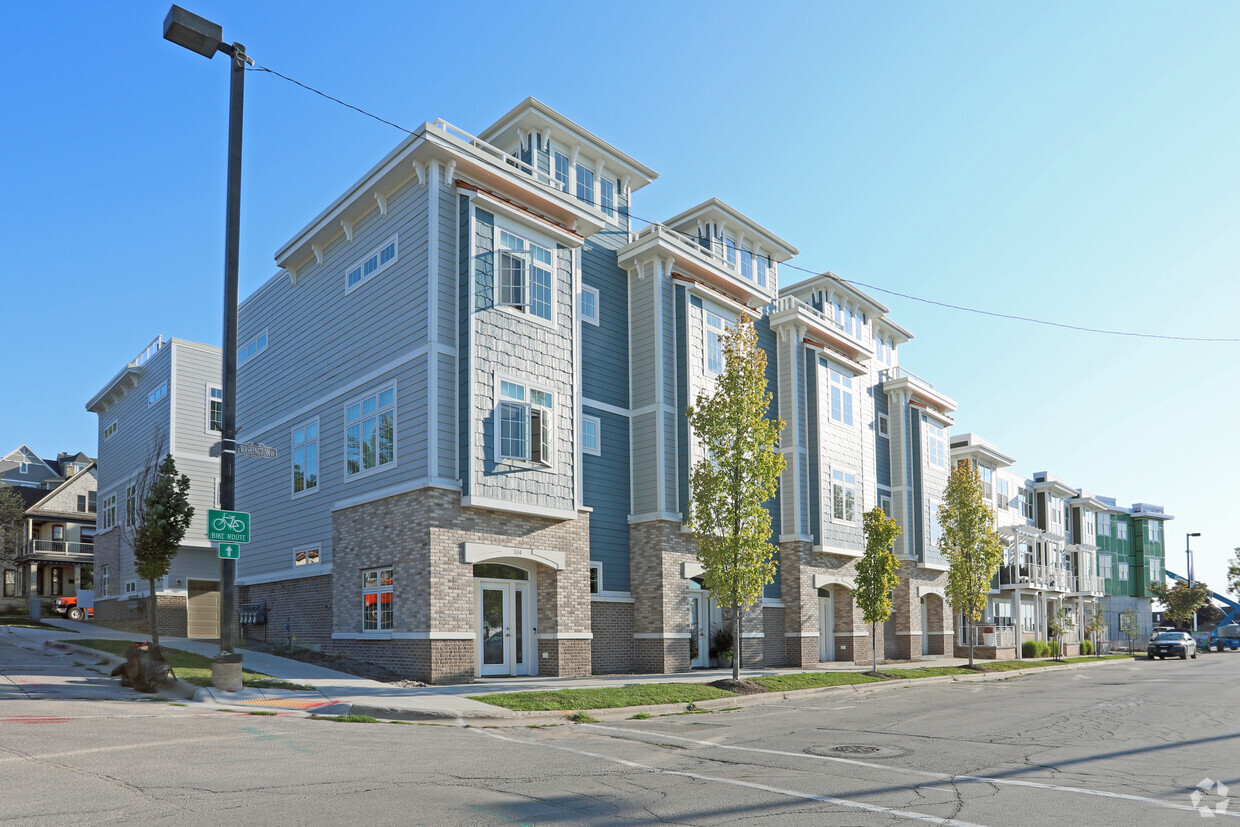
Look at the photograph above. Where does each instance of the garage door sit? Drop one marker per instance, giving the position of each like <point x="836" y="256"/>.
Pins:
<point x="204" y="609"/>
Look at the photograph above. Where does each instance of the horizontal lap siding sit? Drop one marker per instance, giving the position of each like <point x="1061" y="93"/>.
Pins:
<point x="644" y="454"/>
<point x="198" y="368"/>
<point x="605" y="346"/>
<point x="605" y="489"/>
<point x="142" y="431"/>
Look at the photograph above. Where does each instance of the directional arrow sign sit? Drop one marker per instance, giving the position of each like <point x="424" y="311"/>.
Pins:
<point x="230" y="551"/>
<point x="228" y="526"/>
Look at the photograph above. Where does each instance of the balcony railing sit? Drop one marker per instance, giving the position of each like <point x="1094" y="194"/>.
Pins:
<point x="894" y="373"/>
<point x="1089" y="583"/>
<point x="497" y="155"/>
<point x="59" y="548"/>
<point x="150" y="350"/>
<point x="987" y="635"/>
<point x="1049" y="577"/>
<point x="713" y="251"/>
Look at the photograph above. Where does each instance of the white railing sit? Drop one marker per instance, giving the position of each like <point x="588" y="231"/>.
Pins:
<point x="987" y="635"/>
<point x="62" y="548"/>
<point x="150" y="350"/>
<point x="900" y="373"/>
<point x="713" y="252"/>
<point x="496" y="154"/>
<point x="1052" y="577"/>
<point x="793" y="303"/>
<point x="1088" y="583"/>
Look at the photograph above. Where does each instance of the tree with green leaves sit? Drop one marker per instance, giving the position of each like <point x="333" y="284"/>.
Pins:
<point x="878" y="573"/>
<point x="1129" y="626"/>
<point x="1095" y="627"/>
<point x="1182" y="600"/>
<point x="12" y="530"/>
<point x="1233" y="574"/>
<point x="161" y="525"/>
<point x="736" y="475"/>
<point x="1058" y="625"/>
<point x="973" y="549"/>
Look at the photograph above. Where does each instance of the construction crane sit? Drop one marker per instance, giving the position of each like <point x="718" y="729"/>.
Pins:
<point x="1227" y="633"/>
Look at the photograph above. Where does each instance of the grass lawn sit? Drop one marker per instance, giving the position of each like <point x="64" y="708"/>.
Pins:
<point x="928" y="671"/>
<point x="1012" y="665"/>
<point x="641" y="694"/>
<point x="25" y="622"/>
<point x="812" y="680"/>
<point x="195" y="669"/>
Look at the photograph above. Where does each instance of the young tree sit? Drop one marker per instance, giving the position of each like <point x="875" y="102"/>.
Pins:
<point x="12" y="530"/>
<point x="1095" y="626"/>
<point x="161" y="525"/>
<point x="1058" y="625"/>
<point x="1129" y="627"/>
<point x="1233" y="574"/>
<point x="736" y="476"/>
<point x="878" y="573"/>
<point x="970" y="544"/>
<point x="1181" y="600"/>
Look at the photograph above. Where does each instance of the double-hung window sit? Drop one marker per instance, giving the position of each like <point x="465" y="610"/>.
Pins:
<point x="306" y="458"/>
<point x="1104" y="566"/>
<point x="1155" y="531"/>
<point x="588" y="305"/>
<point x="936" y="443"/>
<point x="215" y="409"/>
<point x="607" y="196"/>
<point x="715" y="326"/>
<point x="1155" y="565"/>
<point x="1123" y="572"/>
<point x="932" y="519"/>
<point x="841" y="396"/>
<point x="525" y="423"/>
<point x="844" y="502"/>
<point x="525" y="275"/>
<point x="585" y="184"/>
<point x="1001" y="485"/>
<point x="591" y="435"/>
<point x="370" y="432"/>
<point x="561" y="171"/>
<point x="1104" y="525"/>
<point x="1121" y="531"/>
<point x="988" y="480"/>
<point x="377" y="600"/>
<point x="107" y="518"/>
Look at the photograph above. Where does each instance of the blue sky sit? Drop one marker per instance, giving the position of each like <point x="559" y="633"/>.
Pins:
<point x="1074" y="162"/>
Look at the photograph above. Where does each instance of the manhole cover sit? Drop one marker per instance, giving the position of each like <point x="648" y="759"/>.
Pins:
<point x="855" y="751"/>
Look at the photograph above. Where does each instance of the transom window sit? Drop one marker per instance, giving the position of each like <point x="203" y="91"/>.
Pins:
<point x="215" y="409"/>
<point x="373" y="264"/>
<point x="306" y="458"/>
<point x="377" y="600"/>
<point x="525" y="423"/>
<point x="157" y="394"/>
<point x="715" y="326"/>
<point x="844" y="501"/>
<point x="251" y="348"/>
<point x="841" y="396"/>
<point x="370" y="432"/>
<point x="525" y="275"/>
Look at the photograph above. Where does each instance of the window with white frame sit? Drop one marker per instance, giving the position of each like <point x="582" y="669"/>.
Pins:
<point x="306" y="457"/>
<point x="936" y="443"/>
<point x="884" y="426"/>
<point x="932" y="521"/>
<point x="1104" y="525"/>
<point x="131" y="505"/>
<point x="1055" y="507"/>
<point x="251" y="349"/>
<point x="105" y="581"/>
<point x="110" y="430"/>
<point x="1005" y="496"/>
<point x="375" y="262"/>
<point x="588" y="305"/>
<point x="591" y="435"/>
<point x="607" y="196"/>
<point x="585" y="184"/>
<point x="562" y="167"/>
<point x="841" y="396"/>
<point x="370" y="432"/>
<point x="215" y="409"/>
<point x="1121" y="530"/>
<point x="131" y="587"/>
<point x="306" y="556"/>
<point x="1026" y="503"/>
<point x="715" y="326"/>
<point x="1155" y="531"/>
<point x="377" y="587"/>
<point x="880" y="346"/>
<point x="1028" y="617"/>
<point x="107" y="517"/>
<point x="884" y="502"/>
<point x="525" y="422"/>
<point x="844" y="500"/>
<point x="157" y="394"/>
<point x="525" y="275"/>
<point x="1155" y="566"/>
<point x="1091" y="527"/>
<point x="596" y="578"/>
<point x="23" y="468"/>
<point x="1123" y="572"/>
<point x="988" y="480"/>
<point x="1104" y="565"/>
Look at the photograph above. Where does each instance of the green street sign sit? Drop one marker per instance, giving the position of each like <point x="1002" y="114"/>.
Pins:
<point x="228" y="526"/>
<point x="230" y="551"/>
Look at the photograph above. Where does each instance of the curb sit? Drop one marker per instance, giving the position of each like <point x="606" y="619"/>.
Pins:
<point x="175" y="687"/>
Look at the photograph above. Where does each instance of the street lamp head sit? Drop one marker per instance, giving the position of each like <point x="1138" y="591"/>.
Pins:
<point x="195" y="33"/>
<point x="1195" y="534"/>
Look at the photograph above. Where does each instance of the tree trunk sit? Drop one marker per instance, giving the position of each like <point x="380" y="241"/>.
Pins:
<point x="874" y="647"/>
<point x="736" y="644"/>
<point x="151" y="614"/>
<point x="972" y="640"/>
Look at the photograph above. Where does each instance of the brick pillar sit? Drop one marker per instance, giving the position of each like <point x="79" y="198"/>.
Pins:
<point x="657" y="551"/>
<point x="796" y="581"/>
<point x="906" y="609"/>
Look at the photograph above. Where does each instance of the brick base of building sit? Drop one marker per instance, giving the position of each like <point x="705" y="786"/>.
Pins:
<point x="612" y="650"/>
<point x="299" y="612"/>
<point x="171" y="616"/>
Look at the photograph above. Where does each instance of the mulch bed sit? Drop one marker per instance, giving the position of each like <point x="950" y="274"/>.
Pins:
<point x="739" y="687"/>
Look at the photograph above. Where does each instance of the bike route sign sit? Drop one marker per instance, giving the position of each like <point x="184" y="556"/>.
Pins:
<point x="228" y="526"/>
<point x="230" y="551"/>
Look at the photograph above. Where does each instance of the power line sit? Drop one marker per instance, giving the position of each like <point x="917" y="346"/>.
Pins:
<point x="909" y="296"/>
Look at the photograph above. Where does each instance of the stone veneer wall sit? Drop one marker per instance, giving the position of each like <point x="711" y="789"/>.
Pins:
<point x="661" y="595"/>
<point x="172" y="618"/>
<point x="421" y="535"/>
<point x="612" y="649"/>
<point x="775" y="650"/>
<point x="299" y="612"/>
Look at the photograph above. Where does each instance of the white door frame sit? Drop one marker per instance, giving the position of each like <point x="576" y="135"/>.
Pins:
<point x="826" y="625"/>
<point x="925" y="625"/>
<point x="528" y="664"/>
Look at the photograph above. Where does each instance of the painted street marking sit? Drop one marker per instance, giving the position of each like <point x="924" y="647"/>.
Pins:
<point x="824" y="799"/>
<point x="940" y="776"/>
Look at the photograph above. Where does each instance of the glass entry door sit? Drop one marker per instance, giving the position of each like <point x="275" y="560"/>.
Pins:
<point x="826" y="626"/>
<point x="503" y="618"/>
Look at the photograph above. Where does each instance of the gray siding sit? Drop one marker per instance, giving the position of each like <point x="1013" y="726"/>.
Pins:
<point x="605" y="346"/>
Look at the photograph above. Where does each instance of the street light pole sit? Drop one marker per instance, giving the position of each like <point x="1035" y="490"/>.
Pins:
<point x="206" y="38"/>
<point x="1188" y="553"/>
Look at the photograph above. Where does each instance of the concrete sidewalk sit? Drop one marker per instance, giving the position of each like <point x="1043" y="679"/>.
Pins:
<point x="341" y="693"/>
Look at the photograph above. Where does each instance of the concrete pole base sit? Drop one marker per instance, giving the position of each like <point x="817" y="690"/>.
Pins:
<point x="226" y="673"/>
<point x="36" y="608"/>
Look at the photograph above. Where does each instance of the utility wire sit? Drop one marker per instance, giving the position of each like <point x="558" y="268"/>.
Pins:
<point x="909" y="296"/>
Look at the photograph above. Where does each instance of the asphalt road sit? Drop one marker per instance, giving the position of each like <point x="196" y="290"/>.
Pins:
<point x="1125" y="743"/>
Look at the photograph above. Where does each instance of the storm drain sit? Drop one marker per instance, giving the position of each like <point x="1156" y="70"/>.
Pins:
<point x="856" y="751"/>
